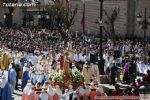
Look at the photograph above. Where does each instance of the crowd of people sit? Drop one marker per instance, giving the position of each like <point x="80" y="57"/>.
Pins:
<point x="43" y="55"/>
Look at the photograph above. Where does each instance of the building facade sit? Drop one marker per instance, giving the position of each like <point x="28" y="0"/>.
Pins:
<point x="28" y="12"/>
<point x="125" y="24"/>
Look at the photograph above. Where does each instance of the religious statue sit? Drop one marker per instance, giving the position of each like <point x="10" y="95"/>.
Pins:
<point x="66" y="64"/>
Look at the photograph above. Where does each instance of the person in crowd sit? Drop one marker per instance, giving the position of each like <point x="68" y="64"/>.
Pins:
<point x="113" y="73"/>
<point x="101" y="62"/>
<point x="28" y="92"/>
<point x="12" y="77"/>
<point x="32" y="41"/>
<point x="96" y="71"/>
<point x="146" y="78"/>
<point x="117" y="91"/>
<point x="139" y="83"/>
<point x="25" y="77"/>
<point x="132" y="70"/>
<point x="126" y="72"/>
<point x="17" y="69"/>
<point x="87" y="72"/>
<point x="135" y="92"/>
<point x="61" y="61"/>
<point x="128" y="91"/>
<point x="134" y="84"/>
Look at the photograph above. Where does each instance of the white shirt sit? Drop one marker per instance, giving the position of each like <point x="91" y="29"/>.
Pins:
<point x="88" y="57"/>
<point x="34" y="60"/>
<point x="51" y="91"/>
<point x="76" y="57"/>
<point x="84" y="58"/>
<point x="43" y="96"/>
<point x="80" y="56"/>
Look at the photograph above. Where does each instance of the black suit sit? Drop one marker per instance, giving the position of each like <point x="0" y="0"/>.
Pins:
<point x="101" y="63"/>
<point x="113" y="74"/>
<point x="93" y="57"/>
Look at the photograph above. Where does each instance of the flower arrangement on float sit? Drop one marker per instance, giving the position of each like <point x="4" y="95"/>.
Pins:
<point x="58" y="77"/>
<point x="74" y="76"/>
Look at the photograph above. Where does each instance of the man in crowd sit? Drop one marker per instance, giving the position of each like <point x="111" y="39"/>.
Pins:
<point x="12" y="77"/>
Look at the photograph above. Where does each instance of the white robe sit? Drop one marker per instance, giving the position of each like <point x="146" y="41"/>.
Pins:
<point x="96" y="71"/>
<point x="67" y="93"/>
<point x="87" y="74"/>
<point x="82" y="91"/>
<point x="44" y="96"/>
<point x="12" y="78"/>
<point x="58" y="92"/>
<point x="3" y="82"/>
<point x="50" y="91"/>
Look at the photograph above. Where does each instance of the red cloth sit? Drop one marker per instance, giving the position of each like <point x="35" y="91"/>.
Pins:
<point x="93" y="95"/>
<point x="56" y="97"/>
<point x="135" y="94"/>
<point x="28" y="97"/>
<point x="116" y="92"/>
<point x="51" y="97"/>
<point x="140" y="84"/>
<point x="61" y="60"/>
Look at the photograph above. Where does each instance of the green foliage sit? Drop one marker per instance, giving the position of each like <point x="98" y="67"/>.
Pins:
<point x="58" y="77"/>
<point x="75" y="76"/>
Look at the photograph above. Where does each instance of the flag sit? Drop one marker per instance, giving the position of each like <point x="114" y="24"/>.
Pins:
<point x="83" y="19"/>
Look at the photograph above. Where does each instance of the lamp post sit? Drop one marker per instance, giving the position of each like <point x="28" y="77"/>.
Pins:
<point x="101" y="29"/>
<point x="83" y="21"/>
<point x="144" y="24"/>
<point x="101" y="60"/>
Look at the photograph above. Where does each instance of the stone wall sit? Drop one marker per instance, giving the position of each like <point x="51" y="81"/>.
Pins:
<point x="92" y="14"/>
<point x="126" y="21"/>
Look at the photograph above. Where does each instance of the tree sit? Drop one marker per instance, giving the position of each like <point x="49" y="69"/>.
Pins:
<point x="62" y="15"/>
<point x="110" y="22"/>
